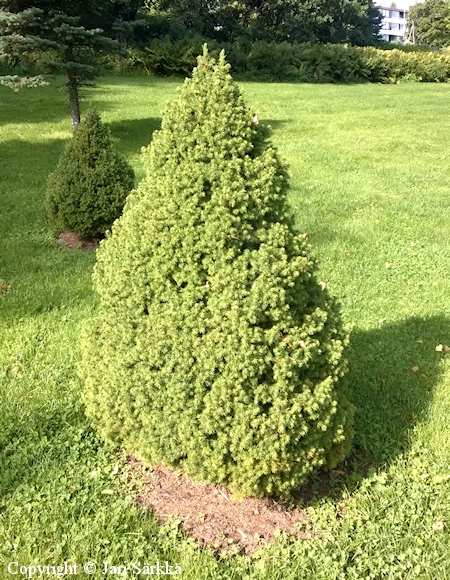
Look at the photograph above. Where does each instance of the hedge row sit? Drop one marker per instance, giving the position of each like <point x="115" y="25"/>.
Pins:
<point x="316" y="63"/>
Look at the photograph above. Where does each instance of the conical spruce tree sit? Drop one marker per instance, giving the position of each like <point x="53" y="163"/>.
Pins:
<point x="88" y="189"/>
<point x="215" y="349"/>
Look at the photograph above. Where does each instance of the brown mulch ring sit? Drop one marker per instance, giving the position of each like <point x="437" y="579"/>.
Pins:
<point x="75" y="241"/>
<point x="208" y="514"/>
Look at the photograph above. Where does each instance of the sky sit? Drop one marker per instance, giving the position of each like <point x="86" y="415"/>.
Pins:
<point x="402" y="4"/>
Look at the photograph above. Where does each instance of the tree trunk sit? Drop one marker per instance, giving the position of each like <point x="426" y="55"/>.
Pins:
<point x="74" y="101"/>
<point x="73" y="89"/>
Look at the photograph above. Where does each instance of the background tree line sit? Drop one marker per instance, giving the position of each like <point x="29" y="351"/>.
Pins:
<point x="336" y="21"/>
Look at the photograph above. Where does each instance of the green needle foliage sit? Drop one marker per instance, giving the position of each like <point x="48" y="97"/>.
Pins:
<point x="52" y="37"/>
<point x="88" y="189"/>
<point x="215" y="348"/>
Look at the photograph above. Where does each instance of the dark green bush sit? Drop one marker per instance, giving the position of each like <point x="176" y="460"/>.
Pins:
<point x="237" y="53"/>
<point x="215" y="348"/>
<point x="88" y="189"/>
<point x="308" y="62"/>
<point x="166" y="57"/>
<point x="376" y="65"/>
<point x="277" y="61"/>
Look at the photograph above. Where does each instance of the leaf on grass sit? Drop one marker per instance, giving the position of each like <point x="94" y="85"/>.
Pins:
<point x="414" y="416"/>
<point x="446" y="348"/>
<point x="438" y="526"/>
<point x="415" y="369"/>
<point x="437" y="479"/>
<point x="439" y="348"/>
<point x="16" y="369"/>
<point x="420" y="341"/>
<point x="5" y="287"/>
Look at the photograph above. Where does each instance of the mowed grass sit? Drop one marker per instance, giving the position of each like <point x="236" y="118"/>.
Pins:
<point x="371" y="186"/>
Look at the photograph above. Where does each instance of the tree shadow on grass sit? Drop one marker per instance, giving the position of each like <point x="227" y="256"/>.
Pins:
<point x="393" y="372"/>
<point x="274" y="124"/>
<point x="47" y="104"/>
<point x="133" y="134"/>
<point x="43" y="274"/>
<point x="24" y="169"/>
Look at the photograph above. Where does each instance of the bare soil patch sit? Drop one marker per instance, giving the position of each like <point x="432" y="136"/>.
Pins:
<point x="75" y="241"/>
<point x="209" y="515"/>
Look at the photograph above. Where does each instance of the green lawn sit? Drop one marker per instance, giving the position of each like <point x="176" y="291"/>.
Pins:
<point x="371" y="186"/>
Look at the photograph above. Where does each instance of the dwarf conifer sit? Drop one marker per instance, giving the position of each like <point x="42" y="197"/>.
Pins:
<point x="88" y="189"/>
<point x="215" y="349"/>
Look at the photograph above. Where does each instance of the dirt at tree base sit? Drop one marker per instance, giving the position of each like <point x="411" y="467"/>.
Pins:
<point x="73" y="240"/>
<point x="208" y="514"/>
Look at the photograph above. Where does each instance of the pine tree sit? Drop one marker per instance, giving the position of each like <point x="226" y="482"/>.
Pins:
<point x="49" y="37"/>
<point x="88" y="189"/>
<point x="215" y="349"/>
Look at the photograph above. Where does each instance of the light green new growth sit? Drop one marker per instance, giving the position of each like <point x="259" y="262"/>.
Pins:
<point x="215" y="349"/>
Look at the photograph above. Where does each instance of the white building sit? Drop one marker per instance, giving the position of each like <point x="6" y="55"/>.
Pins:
<point x="393" y="26"/>
<point x="395" y="19"/>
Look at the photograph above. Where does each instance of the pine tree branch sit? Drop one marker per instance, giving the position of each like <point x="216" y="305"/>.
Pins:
<point x="16" y="82"/>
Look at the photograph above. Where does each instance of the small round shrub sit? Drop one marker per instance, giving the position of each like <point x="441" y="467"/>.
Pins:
<point x="215" y="349"/>
<point x="88" y="189"/>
